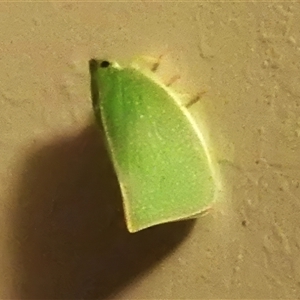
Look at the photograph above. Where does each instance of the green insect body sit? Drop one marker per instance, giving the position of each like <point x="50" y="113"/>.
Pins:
<point x="159" y="154"/>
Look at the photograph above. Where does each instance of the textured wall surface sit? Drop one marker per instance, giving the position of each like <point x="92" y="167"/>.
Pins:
<point x="62" y="234"/>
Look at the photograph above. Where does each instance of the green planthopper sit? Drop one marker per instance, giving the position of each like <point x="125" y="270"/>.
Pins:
<point x="159" y="154"/>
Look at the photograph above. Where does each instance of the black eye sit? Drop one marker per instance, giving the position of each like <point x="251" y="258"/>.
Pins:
<point x="105" y="64"/>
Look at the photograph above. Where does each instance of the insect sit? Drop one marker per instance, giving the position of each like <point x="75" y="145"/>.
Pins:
<point x="159" y="154"/>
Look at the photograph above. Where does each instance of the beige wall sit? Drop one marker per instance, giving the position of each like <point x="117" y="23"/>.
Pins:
<point x="62" y="234"/>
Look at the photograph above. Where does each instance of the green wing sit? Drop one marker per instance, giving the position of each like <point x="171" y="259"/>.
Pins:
<point x="163" y="169"/>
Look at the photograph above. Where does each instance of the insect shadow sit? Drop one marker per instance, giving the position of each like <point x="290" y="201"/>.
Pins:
<point x="70" y="224"/>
